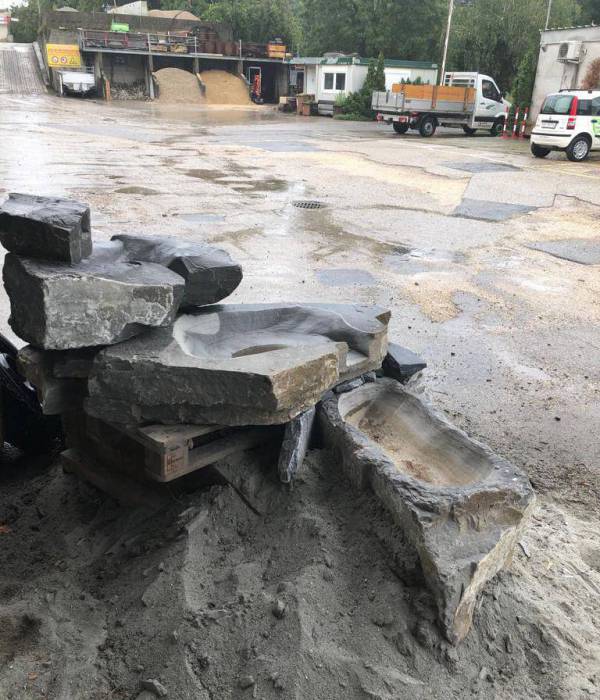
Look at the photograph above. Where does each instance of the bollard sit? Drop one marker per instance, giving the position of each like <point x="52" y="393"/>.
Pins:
<point x="524" y="123"/>
<point x="516" y="124"/>
<point x="505" y="128"/>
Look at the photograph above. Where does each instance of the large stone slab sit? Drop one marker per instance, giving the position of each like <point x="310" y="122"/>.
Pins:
<point x="210" y="274"/>
<point x="461" y="505"/>
<point x="249" y="364"/>
<point x="100" y="301"/>
<point x="48" y="228"/>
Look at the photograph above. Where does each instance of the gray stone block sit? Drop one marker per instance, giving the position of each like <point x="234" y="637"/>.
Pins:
<point x="46" y="228"/>
<point x="400" y="363"/>
<point x="295" y="444"/>
<point x="100" y="301"/>
<point x="251" y="364"/>
<point x="462" y="506"/>
<point x="56" y="396"/>
<point x="210" y="274"/>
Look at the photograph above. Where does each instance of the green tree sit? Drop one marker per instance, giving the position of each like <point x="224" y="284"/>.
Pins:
<point x="522" y="86"/>
<point x="495" y="36"/>
<point x="257" y="20"/>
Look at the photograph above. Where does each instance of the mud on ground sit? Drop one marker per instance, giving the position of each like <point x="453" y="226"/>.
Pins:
<point x="263" y="592"/>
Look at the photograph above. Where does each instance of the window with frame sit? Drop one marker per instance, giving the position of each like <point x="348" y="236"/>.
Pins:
<point x="328" y="81"/>
<point x="488" y="90"/>
<point x="340" y="81"/>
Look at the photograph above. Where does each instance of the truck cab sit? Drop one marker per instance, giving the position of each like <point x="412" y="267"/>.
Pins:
<point x="490" y="106"/>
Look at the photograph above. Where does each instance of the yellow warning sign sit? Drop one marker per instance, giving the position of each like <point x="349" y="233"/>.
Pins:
<point x="63" y="56"/>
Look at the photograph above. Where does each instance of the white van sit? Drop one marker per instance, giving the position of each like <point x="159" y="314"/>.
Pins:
<point x="569" y="121"/>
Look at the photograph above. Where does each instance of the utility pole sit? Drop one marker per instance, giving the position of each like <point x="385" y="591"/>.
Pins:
<point x="447" y="40"/>
<point x="548" y="14"/>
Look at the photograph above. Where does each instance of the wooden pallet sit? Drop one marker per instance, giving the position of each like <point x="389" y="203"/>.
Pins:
<point x="171" y="451"/>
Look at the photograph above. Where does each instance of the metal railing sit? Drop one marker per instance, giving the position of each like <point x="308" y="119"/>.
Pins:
<point x="170" y="42"/>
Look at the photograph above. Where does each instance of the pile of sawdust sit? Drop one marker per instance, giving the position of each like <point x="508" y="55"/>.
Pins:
<point x="176" y="86"/>
<point x="223" y="88"/>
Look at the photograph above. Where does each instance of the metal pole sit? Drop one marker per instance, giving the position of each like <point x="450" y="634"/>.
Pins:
<point x="548" y="14"/>
<point x="447" y="40"/>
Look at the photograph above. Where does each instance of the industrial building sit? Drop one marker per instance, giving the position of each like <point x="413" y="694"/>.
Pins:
<point x="124" y="50"/>
<point x="564" y="58"/>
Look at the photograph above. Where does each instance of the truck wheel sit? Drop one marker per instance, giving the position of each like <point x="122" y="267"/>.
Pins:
<point x="579" y="149"/>
<point x="539" y="151"/>
<point x="400" y="127"/>
<point x="468" y="131"/>
<point x="497" y="128"/>
<point x="427" y="126"/>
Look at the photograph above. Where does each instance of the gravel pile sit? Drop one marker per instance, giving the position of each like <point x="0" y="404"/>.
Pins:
<point x="225" y="88"/>
<point x="176" y="86"/>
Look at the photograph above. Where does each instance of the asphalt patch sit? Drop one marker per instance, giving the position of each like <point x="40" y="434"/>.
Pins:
<point x="579" y="250"/>
<point x="345" y="277"/>
<point x="483" y="210"/>
<point x="482" y="166"/>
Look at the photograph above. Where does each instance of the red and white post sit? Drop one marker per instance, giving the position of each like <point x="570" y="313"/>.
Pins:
<point x="516" y="124"/>
<point x="505" y="128"/>
<point x="524" y="123"/>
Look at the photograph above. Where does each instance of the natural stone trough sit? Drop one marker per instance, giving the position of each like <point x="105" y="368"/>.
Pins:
<point x="461" y="505"/>
<point x="153" y="378"/>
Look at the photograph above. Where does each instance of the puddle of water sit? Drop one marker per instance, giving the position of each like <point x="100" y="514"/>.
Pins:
<point x="579" y="250"/>
<point x="205" y="174"/>
<point x="135" y="189"/>
<point x="271" y="184"/>
<point x="483" y="210"/>
<point x="202" y="218"/>
<point x="345" y="277"/>
<point x="283" y="146"/>
<point x="481" y="167"/>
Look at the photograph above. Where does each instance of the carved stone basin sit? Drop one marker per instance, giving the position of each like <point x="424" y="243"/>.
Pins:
<point x="238" y="364"/>
<point x="461" y="505"/>
<point x="418" y="446"/>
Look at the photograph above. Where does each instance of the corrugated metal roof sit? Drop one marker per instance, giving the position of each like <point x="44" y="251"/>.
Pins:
<point x="359" y="61"/>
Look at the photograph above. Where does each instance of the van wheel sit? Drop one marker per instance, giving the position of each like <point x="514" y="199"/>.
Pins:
<point x="497" y="128"/>
<point x="427" y="126"/>
<point x="468" y="131"/>
<point x="539" y="151"/>
<point x="579" y="149"/>
<point x="400" y="127"/>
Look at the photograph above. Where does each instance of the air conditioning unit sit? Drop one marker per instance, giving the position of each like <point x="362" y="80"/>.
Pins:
<point x="570" y="51"/>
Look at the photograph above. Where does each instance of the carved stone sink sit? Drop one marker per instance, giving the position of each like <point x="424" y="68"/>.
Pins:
<point x="461" y="505"/>
<point x="238" y="364"/>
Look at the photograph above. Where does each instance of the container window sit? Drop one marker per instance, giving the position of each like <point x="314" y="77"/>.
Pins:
<point x="340" y="81"/>
<point x="328" y="81"/>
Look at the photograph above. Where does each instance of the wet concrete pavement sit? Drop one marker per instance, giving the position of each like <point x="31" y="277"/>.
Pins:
<point x="511" y="334"/>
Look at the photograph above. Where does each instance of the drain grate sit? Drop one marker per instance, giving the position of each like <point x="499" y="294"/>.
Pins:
<point x="308" y="204"/>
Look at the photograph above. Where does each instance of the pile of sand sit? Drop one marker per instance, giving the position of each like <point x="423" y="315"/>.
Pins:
<point x="176" y="86"/>
<point x="223" y="88"/>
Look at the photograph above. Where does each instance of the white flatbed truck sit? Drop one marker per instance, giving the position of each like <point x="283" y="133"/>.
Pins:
<point x="471" y="101"/>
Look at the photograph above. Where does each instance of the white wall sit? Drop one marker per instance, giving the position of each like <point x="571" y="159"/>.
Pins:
<point x="553" y="75"/>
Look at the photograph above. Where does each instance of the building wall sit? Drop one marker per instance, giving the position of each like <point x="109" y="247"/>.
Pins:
<point x="553" y="75"/>
<point x="124" y="69"/>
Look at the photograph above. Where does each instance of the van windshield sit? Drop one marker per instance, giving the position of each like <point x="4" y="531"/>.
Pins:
<point x="557" y="104"/>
